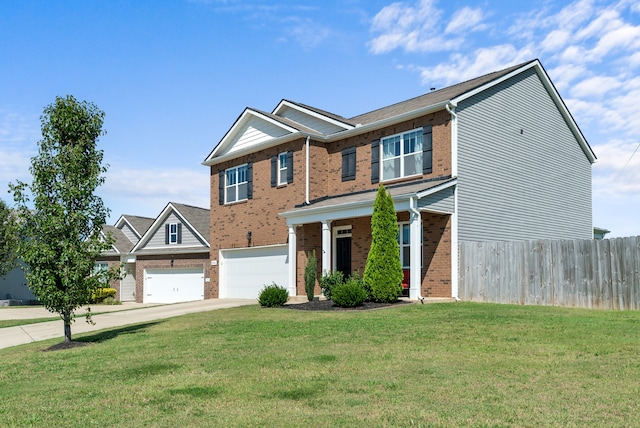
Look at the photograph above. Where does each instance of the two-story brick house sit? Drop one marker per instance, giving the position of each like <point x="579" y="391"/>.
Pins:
<point x="498" y="157"/>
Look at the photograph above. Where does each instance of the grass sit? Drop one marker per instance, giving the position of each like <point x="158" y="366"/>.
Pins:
<point x="13" y="323"/>
<point x="458" y="364"/>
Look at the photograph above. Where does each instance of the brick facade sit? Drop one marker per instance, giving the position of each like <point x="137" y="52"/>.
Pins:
<point x="230" y="223"/>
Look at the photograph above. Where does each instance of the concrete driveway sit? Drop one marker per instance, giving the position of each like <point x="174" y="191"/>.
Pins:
<point x="114" y="316"/>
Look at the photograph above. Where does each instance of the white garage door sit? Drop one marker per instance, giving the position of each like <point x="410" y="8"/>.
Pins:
<point x="173" y="285"/>
<point x="244" y="272"/>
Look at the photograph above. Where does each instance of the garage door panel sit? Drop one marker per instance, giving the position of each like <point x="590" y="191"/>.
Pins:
<point x="173" y="285"/>
<point x="244" y="272"/>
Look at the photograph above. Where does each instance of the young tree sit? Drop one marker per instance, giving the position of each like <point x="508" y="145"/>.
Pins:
<point x="7" y="243"/>
<point x="310" y="274"/>
<point x="59" y="235"/>
<point x="383" y="270"/>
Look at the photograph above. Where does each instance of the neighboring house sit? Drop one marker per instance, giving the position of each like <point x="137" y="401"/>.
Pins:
<point x="14" y="289"/>
<point x="165" y="258"/>
<point x="498" y="157"/>
<point x="599" y="233"/>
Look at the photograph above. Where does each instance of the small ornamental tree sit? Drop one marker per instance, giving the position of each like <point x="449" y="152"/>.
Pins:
<point x="383" y="270"/>
<point x="59" y="235"/>
<point x="7" y="243"/>
<point x="310" y="273"/>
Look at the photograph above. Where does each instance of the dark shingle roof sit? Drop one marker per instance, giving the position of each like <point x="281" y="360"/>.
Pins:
<point x="431" y="98"/>
<point x="121" y="243"/>
<point x="140" y="224"/>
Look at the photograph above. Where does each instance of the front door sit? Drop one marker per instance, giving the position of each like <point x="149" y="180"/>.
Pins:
<point x="343" y="255"/>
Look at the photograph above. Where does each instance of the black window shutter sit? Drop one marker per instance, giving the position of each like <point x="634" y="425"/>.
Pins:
<point x="375" y="161"/>
<point x="274" y="171"/>
<point x="290" y="167"/>
<point x="349" y="164"/>
<point x="427" y="150"/>
<point x="250" y="180"/>
<point x="166" y="234"/>
<point x="179" y="233"/>
<point x="221" y="187"/>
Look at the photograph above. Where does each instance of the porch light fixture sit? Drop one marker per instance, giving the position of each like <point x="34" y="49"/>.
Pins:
<point x="171" y="263"/>
<point x="249" y="236"/>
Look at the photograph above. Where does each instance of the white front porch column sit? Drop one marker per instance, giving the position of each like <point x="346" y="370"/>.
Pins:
<point x="292" y="260"/>
<point x="415" y="242"/>
<point x="326" y="247"/>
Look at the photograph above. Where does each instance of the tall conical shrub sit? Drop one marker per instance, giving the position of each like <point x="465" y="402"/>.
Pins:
<point x="383" y="271"/>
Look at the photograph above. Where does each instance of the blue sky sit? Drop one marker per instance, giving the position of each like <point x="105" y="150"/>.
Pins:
<point x="172" y="77"/>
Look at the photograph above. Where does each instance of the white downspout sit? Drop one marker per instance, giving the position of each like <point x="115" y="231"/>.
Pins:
<point x="451" y="108"/>
<point x="306" y="194"/>
<point x="412" y="207"/>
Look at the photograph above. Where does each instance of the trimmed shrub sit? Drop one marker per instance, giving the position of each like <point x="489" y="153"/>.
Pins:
<point x="310" y="273"/>
<point x="383" y="271"/>
<point x="273" y="296"/>
<point x="103" y="293"/>
<point x="110" y="301"/>
<point x="329" y="281"/>
<point x="350" y="294"/>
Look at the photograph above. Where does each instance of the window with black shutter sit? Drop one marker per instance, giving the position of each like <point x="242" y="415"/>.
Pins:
<point x="349" y="164"/>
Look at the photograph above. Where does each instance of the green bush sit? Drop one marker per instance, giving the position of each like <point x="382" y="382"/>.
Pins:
<point x="110" y="301"/>
<point x="103" y="293"/>
<point x="273" y="296"/>
<point x="383" y="270"/>
<point x="350" y="294"/>
<point x="329" y="281"/>
<point x="310" y="273"/>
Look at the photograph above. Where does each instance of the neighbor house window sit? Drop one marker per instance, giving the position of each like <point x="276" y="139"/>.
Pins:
<point x="236" y="184"/>
<point x="100" y="270"/>
<point x="282" y="169"/>
<point x="402" y="155"/>
<point x="173" y="233"/>
<point x="404" y="242"/>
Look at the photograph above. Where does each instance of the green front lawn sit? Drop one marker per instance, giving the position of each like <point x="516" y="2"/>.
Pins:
<point x="454" y="364"/>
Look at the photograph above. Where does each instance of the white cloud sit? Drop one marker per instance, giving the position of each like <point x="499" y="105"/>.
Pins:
<point x="18" y="143"/>
<point x="465" y="19"/>
<point x="597" y="86"/>
<point x="482" y="61"/>
<point x="555" y="40"/>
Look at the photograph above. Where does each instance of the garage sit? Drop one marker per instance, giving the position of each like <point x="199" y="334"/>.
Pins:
<point x="173" y="285"/>
<point x="245" y="271"/>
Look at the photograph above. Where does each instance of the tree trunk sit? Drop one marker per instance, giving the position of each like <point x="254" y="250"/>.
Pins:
<point x="67" y="325"/>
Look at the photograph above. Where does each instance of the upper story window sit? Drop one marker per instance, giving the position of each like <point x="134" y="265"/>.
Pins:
<point x="282" y="168"/>
<point x="402" y="155"/>
<point x="236" y="184"/>
<point x="173" y="233"/>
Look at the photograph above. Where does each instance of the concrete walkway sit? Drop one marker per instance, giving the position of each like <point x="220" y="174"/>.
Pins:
<point x="114" y="316"/>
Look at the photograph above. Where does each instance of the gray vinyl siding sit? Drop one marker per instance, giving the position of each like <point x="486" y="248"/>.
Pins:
<point x="441" y="202"/>
<point x="128" y="232"/>
<point x="521" y="172"/>
<point x="309" y="121"/>
<point x="189" y="239"/>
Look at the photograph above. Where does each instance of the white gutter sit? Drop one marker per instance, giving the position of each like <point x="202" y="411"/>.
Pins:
<point x="306" y="194"/>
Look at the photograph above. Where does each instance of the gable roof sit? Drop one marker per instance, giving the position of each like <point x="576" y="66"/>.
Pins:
<point x="431" y="102"/>
<point x="122" y="244"/>
<point x="196" y="218"/>
<point x="138" y="224"/>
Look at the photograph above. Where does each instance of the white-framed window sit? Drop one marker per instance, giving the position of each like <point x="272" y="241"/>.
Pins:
<point x="100" y="270"/>
<point x="404" y="242"/>
<point x="402" y="155"/>
<point x="236" y="185"/>
<point x="282" y="168"/>
<point x="173" y="233"/>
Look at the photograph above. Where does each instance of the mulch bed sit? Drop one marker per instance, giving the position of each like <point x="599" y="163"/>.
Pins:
<point x="327" y="305"/>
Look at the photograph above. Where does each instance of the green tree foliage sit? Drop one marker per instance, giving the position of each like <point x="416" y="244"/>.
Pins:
<point x="60" y="230"/>
<point x="383" y="270"/>
<point x="7" y="242"/>
<point x="310" y="274"/>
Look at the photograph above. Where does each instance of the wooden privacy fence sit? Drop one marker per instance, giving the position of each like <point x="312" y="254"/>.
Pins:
<point x="575" y="273"/>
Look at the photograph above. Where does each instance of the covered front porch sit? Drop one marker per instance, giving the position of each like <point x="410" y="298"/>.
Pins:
<point x="339" y="230"/>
